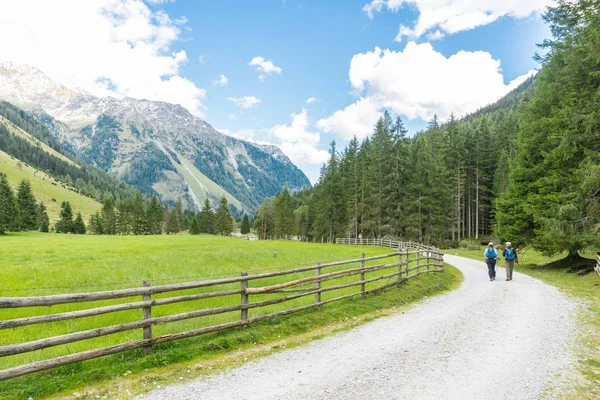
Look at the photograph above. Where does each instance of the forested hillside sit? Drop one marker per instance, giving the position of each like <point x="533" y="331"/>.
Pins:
<point x="526" y="168"/>
<point x="436" y="187"/>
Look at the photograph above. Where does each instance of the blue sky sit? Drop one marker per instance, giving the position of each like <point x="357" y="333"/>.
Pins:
<point x="451" y="56"/>
<point x="313" y="43"/>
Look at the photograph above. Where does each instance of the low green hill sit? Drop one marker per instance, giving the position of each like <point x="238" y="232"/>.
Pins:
<point x="46" y="189"/>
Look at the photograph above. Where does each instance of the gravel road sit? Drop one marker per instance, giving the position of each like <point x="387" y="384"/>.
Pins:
<point x="485" y="340"/>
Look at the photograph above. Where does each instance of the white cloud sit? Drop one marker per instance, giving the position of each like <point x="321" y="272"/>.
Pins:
<point x="246" y="101"/>
<point x="311" y="100"/>
<point x="265" y="67"/>
<point x="417" y="82"/>
<point x="201" y="59"/>
<point x="223" y="81"/>
<point x="233" y="117"/>
<point x="298" y="142"/>
<point x="357" y="120"/>
<point x="106" y="47"/>
<point x="452" y="16"/>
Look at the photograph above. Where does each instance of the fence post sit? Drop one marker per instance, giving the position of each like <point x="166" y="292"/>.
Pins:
<point x="362" y="275"/>
<point x="245" y="296"/>
<point x="407" y="263"/>
<point x="428" y="256"/>
<point x="399" y="264"/>
<point x="418" y="261"/>
<point x="147" y="314"/>
<point x="318" y="284"/>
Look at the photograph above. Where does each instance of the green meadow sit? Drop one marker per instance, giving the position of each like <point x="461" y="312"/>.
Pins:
<point x="33" y="264"/>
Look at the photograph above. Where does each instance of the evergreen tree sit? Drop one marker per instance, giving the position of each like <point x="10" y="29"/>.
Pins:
<point x="43" y="222"/>
<point x="206" y="218"/>
<point x="140" y="219"/>
<point x="194" y="228"/>
<point x="283" y="213"/>
<point x="108" y="216"/>
<point x="223" y="221"/>
<point x="95" y="225"/>
<point x="154" y="217"/>
<point x="245" y="228"/>
<point x="65" y="223"/>
<point x="172" y="222"/>
<point x="7" y="205"/>
<point x="27" y="207"/>
<point x="79" y="225"/>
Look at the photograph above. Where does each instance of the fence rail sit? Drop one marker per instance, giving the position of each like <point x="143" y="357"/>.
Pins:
<point x="409" y="260"/>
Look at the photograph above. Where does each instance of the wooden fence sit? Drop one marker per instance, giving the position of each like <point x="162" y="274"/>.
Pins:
<point x="406" y="263"/>
<point x="597" y="268"/>
<point x="394" y="244"/>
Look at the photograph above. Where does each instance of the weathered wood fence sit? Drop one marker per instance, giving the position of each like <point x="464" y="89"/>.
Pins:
<point x="597" y="268"/>
<point x="405" y="263"/>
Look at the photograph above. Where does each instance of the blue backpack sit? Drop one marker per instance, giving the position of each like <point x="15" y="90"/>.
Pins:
<point x="490" y="253"/>
<point x="510" y="254"/>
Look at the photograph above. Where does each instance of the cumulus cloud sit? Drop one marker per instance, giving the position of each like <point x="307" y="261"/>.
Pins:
<point x="298" y="142"/>
<point x="355" y="120"/>
<point x="452" y="16"/>
<point x="222" y="81"/>
<point x="296" y="139"/>
<point x="201" y="59"/>
<point x="246" y="101"/>
<point x="106" y="47"/>
<point x="417" y="82"/>
<point x="264" y="67"/>
<point x="311" y="100"/>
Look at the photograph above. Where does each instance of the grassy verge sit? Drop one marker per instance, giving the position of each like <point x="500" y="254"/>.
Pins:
<point x="65" y="264"/>
<point x="587" y="289"/>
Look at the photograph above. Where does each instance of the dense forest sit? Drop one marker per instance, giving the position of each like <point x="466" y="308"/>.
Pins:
<point x="526" y="169"/>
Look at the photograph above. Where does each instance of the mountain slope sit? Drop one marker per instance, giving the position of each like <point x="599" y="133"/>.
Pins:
<point x="118" y="135"/>
<point x="46" y="188"/>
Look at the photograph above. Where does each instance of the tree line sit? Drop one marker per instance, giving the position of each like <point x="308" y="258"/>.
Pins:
<point x="20" y="211"/>
<point x="526" y="169"/>
<point x="134" y="216"/>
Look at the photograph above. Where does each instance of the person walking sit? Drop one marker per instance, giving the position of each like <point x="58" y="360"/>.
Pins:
<point x="510" y="258"/>
<point x="490" y="255"/>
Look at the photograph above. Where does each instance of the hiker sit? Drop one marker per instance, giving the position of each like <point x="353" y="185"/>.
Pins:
<point x="490" y="255"/>
<point x="510" y="258"/>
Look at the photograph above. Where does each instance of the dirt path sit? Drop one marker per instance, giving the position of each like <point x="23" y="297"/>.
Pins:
<point x="485" y="340"/>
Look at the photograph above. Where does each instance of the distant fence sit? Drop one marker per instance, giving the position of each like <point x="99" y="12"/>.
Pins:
<point x="394" y="244"/>
<point x="409" y="261"/>
<point x="597" y="268"/>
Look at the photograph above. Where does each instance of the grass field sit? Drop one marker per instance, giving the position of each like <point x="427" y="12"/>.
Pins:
<point x="69" y="264"/>
<point x="587" y="289"/>
<point x="46" y="189"/>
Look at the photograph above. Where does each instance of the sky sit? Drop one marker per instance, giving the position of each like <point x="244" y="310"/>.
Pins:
<point x="294" y="73"/>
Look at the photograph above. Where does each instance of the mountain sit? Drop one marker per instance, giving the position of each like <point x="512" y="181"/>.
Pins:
<point x="156" y="146"/>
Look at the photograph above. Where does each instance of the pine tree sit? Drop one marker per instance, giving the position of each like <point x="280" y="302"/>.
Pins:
<point x="283" y="213"/>
<point x="154" y="217"/>
<point x="206" y="218"/>
<point x="109" y="217"/>
<point x="551" y="201"/>
<point x="27" y="207"/>
<point x="223" y="221"/>
<point x="95" y="224"/>
<point x="7" y="205"/>
<point x="65" y="223"/>
<point x="43" y="222"/>
<point x="140" y="219"/>
<point x="245" y="228"/>
<point x="172" y="222"/>
<point x="79" y="225"/>
<point x="194" y="228"/>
